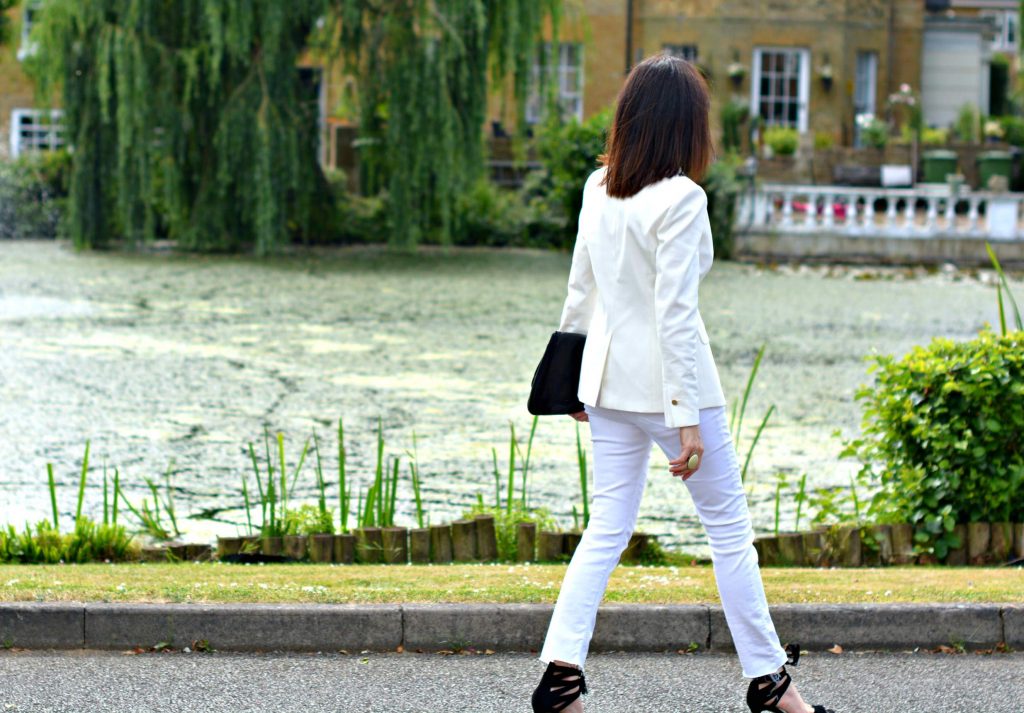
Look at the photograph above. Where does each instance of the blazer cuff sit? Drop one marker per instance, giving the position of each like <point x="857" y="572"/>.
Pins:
<point x="679" y="414"/>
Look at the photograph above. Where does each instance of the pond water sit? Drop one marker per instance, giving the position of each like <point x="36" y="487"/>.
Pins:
<point x="159" y="356"/>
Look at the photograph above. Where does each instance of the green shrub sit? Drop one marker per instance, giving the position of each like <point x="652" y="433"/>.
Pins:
<point x="490" y="215"/>
<point x="941" y="436"/>
<point x="505" y="522"/>
<point x="308" y="520"/>
<point x="934" y="137"/>
<point x="968" y="123"/>
<point x="1013" y="130"/>
<point x="782" y="140"/>
<point x="722" y="186"/>
<point x="33" y="195"/>
<point x="733" y="115"/>
<point x="568" y="153"/>
<point x="45" y="544"/>
<point x="874" y="132"/>
<point x="824" y="140"/>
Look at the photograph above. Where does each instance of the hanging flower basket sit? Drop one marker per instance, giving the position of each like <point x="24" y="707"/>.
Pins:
<point x="737" y="72"/>
<point x="825" y="76"/>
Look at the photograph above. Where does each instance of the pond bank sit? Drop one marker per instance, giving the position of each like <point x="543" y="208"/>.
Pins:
<point x="162" y="356"/>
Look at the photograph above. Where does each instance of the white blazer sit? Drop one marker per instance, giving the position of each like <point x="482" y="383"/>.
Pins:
<point x="633" y="285"/>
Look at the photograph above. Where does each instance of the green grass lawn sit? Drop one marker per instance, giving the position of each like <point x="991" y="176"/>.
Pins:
<point x="684" y="584"/>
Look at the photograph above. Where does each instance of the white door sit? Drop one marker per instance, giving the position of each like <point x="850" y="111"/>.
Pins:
<point x="781" y="86"/>
<point x="953" y="73"/>
<point x="865" y="89"/>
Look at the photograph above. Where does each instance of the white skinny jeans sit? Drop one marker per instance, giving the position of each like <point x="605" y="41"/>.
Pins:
<point x="622" y="446"/>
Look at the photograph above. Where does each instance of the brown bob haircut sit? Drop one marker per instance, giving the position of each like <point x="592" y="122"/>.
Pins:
<point x="661" y="126"/>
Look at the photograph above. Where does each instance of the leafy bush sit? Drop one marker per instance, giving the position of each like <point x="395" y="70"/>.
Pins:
<point x="874" y="132"/>
<point x="733" y="115"/>
<point x="505" y="521"/>
<point x="45" y="544"/>
<point x="941" y="435"/>
<point x="1013" y="130"/>
<point x="934" y="137"/>
<point x="358" y="219"/>
<point x="308" y="520"/>
<point x="722" y="186"/>
<point x="568" y="153"/>
<point x="782" y="140"/>
<point x="491" y="215"/>
<point x="967" y="124"/>
<point x="33" y="195"/>
<point x="824" y="140"/>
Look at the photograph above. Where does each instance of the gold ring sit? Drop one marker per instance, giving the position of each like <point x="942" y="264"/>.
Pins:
<point x="693" y="462"/>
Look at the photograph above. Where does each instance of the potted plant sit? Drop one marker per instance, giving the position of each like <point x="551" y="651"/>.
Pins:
<point x="825" y="75"/>
<point x="737" y="72"/>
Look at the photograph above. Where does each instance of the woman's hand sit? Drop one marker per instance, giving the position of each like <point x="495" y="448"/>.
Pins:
<point x="580" y="416"/>
<point x="690" y="442"/>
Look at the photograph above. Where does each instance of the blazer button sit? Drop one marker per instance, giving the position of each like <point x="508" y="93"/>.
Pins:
<point x="674" y="402"/>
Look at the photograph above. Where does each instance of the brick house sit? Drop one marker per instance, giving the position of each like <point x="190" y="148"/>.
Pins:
<point x="810" y="64"/>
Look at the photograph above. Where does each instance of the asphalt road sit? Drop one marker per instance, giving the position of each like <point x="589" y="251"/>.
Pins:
<point x="88" y="681"/>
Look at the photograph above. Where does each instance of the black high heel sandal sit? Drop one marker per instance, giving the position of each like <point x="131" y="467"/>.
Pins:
<point x="559" y="687"/>
<point x="765" y="692"/>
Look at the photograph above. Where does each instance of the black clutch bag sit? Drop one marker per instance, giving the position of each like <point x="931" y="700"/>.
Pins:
<point x="557" y="378"/>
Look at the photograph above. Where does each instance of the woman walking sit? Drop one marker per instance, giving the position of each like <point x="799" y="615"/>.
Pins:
<point x="648" y="375"/>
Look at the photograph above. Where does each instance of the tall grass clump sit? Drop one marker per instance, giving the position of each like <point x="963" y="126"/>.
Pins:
<point x="44" y="543"/>
<point x="514" y="508"/>
<point x="739" y="409"/>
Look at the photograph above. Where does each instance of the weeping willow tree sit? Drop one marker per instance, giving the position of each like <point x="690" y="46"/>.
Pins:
<point x="186" y="118"/>
<point x="422" y="69"/>
<point x="5" y="21"/>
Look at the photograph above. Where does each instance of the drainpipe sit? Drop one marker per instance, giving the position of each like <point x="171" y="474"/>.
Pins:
<point x="629" y="36"/>
<point x="890" y="70"/>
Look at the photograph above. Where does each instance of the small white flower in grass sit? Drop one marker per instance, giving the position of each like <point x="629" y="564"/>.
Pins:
<point x="122" y="587"/>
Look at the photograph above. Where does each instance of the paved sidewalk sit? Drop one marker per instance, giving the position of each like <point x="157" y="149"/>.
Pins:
<point x="501" y="627"/>
<point x="109" y="682"/>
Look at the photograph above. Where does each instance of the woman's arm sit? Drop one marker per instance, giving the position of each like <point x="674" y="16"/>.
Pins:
<point x="677" y="274"/>
<point x="579" y="303"/>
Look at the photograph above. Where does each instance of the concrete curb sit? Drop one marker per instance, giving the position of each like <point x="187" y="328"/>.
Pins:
<point x="501" y="627"/>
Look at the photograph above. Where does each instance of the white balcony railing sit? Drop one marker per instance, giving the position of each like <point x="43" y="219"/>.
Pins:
<point x="925" y="211"/>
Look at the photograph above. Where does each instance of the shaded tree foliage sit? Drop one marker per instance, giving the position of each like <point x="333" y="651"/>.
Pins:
<point x="422" y="69"/>
<point x="5" y="21"/>
<point x="184" y="117"/>
<point x="189" y="119"/>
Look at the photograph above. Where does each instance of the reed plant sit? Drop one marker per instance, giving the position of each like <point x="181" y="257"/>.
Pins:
<point x="739" y="410"/>
<point x="514" y="508"/>
<point x="581" y="460"/>
<point x="273" y="486"/>
<point x="1003" y="288"/>
<point x="414" y="476"/>
<point x="526" y="463"/>
<point x="45" y="544"/>
<point x="344" y="491"/>
<point x="326" y="516"/>
<point x="378" y="508"/>
<point x="151" y="519"/>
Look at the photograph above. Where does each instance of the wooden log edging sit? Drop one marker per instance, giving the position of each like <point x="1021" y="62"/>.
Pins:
<point x="981" y="543"/>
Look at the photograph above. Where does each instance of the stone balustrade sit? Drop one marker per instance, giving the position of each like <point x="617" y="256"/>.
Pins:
<point x="925" y="211"/>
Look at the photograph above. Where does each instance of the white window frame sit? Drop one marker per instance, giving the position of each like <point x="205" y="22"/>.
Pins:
<point x="803" y="82"/>
<point x="569" y="98"/>
<point x="1005" y="20"/>
<point x="871" y="93"/>
<point x="687" y="51"/>
<point x="47" y="136"/>
<point x="27" y="47"/>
